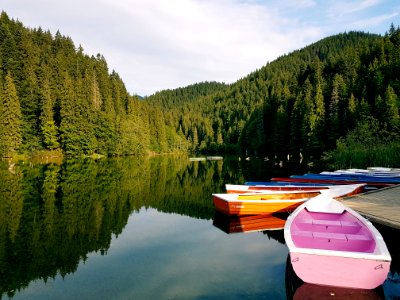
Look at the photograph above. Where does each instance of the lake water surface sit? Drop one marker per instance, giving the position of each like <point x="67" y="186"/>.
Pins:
<point x="142" y="229"/>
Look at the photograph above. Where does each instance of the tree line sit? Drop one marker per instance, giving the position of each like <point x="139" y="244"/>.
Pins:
<point x="54" y="97"/>
<point x="303" y="103"/>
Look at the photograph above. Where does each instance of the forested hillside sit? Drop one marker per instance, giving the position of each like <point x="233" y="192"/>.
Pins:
<point x="301" y="102"/>
<point x="55" y="97"/>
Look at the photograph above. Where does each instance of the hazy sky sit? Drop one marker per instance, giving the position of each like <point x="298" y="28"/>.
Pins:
<point x="165" y="44"/>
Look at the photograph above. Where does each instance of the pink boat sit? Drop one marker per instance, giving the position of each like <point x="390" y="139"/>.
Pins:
<point x="331" y="244"/>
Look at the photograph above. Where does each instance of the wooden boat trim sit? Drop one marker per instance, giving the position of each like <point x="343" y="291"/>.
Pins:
<point x="234" y="198"/>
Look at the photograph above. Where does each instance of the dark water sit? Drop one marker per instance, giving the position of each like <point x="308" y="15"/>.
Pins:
<point x="142" y="229"/>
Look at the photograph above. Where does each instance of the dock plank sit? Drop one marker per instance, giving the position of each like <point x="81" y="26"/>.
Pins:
<point x="381" y="206"/>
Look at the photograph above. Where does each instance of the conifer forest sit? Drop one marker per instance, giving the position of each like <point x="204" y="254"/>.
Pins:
<point x="339" y="92"/>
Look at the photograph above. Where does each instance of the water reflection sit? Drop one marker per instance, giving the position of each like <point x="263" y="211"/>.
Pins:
<point x="54" y="217"/>
<point x="318" y="292"/>
<point x="235" y="224"/>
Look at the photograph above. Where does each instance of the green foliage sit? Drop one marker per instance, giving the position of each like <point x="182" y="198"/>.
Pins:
<point x="10" y="119"/>
<point x="53" y="216"/>
<point x="301" y="102"/>
<point x="47" y="123"/>
<point x="66" y="99"/>
<point x="369" y="144"/>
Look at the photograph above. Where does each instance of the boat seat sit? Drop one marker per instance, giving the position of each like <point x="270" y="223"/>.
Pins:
<point x="358" y="237"/>
<point x="361" y="242"/>
<point x="330" y="236"/>
<point x="333" y="241"/>
<point x="302" y="234"/>
<point x="328" y="225"/>
<point x="319" y="240"/>
<point x="350" y="226"/>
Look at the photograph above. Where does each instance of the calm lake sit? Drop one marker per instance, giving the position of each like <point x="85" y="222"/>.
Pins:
<point x="145" y="229"/>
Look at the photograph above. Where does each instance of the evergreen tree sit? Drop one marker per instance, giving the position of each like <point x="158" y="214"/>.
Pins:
<point x="10" y="119"/>
<point x="48" y="126"/>
<point x="317" y="116"/>
<point x="336" y="111"/>
<point x="195" y="139"/>
<point x="70" y="119"/>
<point x="351" y="113"/>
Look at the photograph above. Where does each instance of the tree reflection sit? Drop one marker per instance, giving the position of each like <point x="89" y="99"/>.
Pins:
<point x="52" y="216"/>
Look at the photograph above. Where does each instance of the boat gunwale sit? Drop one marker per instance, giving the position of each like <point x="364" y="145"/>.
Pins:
<point x="223" y="197"/>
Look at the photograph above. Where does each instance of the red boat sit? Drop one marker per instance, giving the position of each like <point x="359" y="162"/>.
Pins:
<point x="332" y="181"/>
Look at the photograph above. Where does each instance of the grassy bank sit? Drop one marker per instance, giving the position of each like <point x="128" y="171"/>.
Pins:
<point x="369" y="144"/>
<point x="383" y="155"/>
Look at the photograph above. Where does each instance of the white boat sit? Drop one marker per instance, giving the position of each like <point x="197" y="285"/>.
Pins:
<point x="377" y="172"/>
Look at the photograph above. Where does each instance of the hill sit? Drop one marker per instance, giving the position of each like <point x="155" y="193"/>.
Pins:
<point x="302" y="102"/>
<point x="55" y="97"/>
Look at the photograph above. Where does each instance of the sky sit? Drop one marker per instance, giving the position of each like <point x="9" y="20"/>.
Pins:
<point x="165" y="44"/>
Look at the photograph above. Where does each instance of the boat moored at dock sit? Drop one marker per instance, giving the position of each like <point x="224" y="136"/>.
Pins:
<point x="331" y="244"/>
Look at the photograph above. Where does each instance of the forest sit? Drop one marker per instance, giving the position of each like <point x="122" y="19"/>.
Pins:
<point x="336" y="95"/>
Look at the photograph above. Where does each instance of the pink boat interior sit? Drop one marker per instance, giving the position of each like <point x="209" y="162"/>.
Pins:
<point x="340" y="232"/>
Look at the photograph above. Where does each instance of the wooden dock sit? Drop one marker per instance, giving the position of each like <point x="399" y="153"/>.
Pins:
<point x="380" y="206"/>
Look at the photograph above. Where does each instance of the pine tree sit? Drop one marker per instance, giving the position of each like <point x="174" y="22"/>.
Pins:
<point x="10" y="119"/>
<point x="195" y="140"/>
<point x="351" y="113"/>
<point x="317" y="113"/>
<point x="335" y="114"/>
<point x="391" y="113"/>
<point x="70" y="119"/>
<point x="48" y="126"/>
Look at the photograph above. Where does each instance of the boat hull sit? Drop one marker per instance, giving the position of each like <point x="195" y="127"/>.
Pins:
<point x="237" y="189"/>
<point x="341" y="190"/>
<point x="254" y="207"/>
<point x="353" y="272"/>
<point x="356" y="178"/>
<point x="331" y="181"/>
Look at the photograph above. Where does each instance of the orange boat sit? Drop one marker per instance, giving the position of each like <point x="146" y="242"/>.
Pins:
<point x="260" y="203"/>
<point x="241" y="189"/>
<point x="234" y="224"/>
<point x="273" y="201"/>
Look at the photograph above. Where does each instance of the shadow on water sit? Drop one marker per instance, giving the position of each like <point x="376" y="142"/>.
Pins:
<point x="391" y="286"/>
